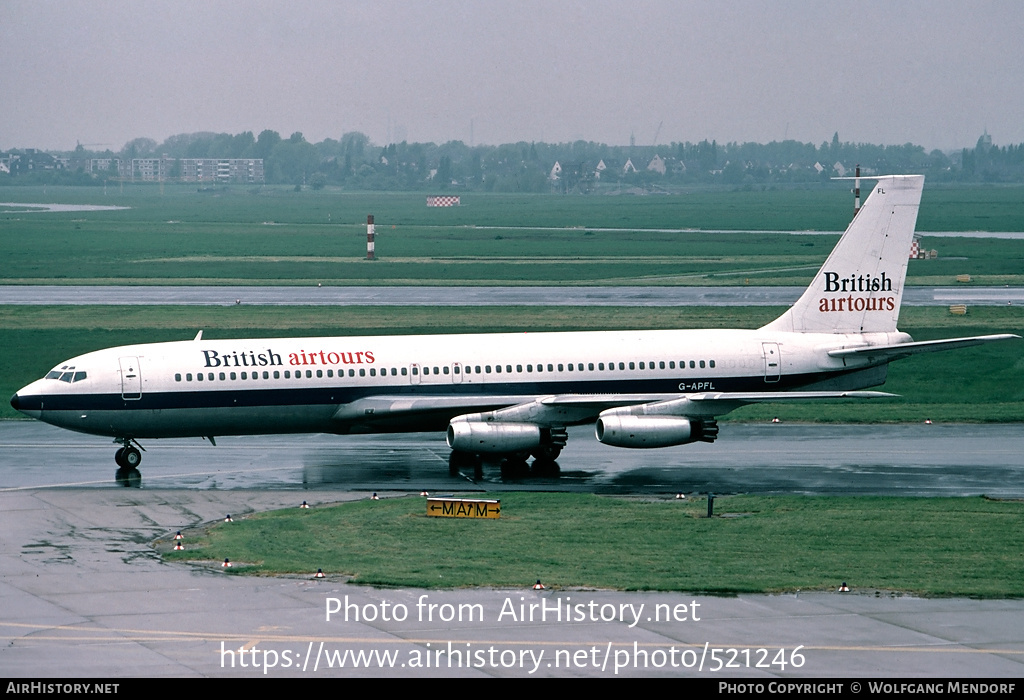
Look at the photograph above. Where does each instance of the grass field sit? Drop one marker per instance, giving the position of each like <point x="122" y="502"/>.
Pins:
<point x="976" y="384"/>
<point x="937" y="546"/>
<point x="277" y="236"/>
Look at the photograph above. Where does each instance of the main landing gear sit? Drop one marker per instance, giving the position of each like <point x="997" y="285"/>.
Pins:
<point x="513" y="466"/>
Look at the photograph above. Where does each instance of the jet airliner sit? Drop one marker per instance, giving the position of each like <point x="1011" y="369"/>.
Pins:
<point x="513" y="394"/>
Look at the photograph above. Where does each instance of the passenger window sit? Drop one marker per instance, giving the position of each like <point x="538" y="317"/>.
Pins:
<point x="404" y="371"/>
<point x="394" y="372"/>
<point x="487" y="368"/>
<point x="362" y="373"/>
<point x="711" y="364"/>
<point x="373" y="372"/>
<point x="351" y="373"/>
<point x="277" y="374"/>
<point x="221" y="376"/>
<point x="177" y="377"/>
<point x="702" y="364"/>
<point x="692" y="364"/>
<point x="319" y="373"/>
<point x="188" y="377"/>
<point x="551" y="368"/>
<point x="199" y="377"/>
<point x="672" y="364"/>
<point x="519" y="368"/>
<point x="445" y="369"/>
<point x="287" y="374"/>
<point x="497" y="368"/>
<point x="661" y="365"/>
<point x="233" y="377"/>
<point x="330" y="373"/>
<point x="266" y="375"/>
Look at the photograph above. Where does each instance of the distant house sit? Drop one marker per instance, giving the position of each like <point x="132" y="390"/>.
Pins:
<point x="628" y="167"/>
<point x="601" y="167"/>
<point x="657" y="165"/>
<point x="840" y="169"/>
<point x="556" y="171"/>
<point x="30" y="160"/>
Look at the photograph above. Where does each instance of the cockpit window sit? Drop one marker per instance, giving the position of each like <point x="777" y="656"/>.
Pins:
<point x="66" y="373"/>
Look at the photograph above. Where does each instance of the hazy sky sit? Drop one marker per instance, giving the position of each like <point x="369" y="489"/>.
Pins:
<point x="933" y="72"/>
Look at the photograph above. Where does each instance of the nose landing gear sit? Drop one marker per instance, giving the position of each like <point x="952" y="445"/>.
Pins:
<point x="128" y="459"/>
<point x="129" y="456"/>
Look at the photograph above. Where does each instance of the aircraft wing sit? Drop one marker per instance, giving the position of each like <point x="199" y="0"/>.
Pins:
<point x="565" y="409"/>
<point x="900" y="350"/>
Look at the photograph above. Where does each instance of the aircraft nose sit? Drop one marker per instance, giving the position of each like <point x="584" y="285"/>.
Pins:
<point x="14" y="402"/>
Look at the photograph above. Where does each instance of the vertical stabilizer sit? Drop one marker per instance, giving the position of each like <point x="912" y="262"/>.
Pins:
<point x="860" y="286"/>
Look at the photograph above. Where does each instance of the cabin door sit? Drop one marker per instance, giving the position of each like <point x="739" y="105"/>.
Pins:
<point x="131" y="378"/>
<point x="772" y="362"/>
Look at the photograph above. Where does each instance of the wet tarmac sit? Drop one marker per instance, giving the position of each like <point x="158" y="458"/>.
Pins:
<point x="83" y="592"/>
<point x="909" y="460"/>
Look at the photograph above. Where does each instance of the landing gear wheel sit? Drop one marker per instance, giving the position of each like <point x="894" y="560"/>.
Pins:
<point x="514" y="468"/>
<point x="547" y="453"/>
<point x="131" y="457"/>
<point x="457" y="461"/>
<point x="119" y="458"/>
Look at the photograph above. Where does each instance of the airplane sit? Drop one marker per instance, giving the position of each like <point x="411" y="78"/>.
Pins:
<point x="513" y="394"/>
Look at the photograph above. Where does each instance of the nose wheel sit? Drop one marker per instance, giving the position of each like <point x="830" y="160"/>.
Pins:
<point x="129" y="456"/>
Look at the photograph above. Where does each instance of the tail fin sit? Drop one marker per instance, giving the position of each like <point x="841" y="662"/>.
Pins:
<point x="860" y="286"/>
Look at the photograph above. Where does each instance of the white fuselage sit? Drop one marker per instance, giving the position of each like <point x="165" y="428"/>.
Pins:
<point x="410" y="383"/>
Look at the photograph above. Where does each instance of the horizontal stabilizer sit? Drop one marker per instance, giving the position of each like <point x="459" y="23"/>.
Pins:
<point x="895" y="352"/>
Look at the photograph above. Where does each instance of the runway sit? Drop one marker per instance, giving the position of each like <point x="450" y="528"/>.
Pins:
<point x="471" y="296"/>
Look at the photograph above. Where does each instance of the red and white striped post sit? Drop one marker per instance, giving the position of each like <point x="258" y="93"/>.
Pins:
<point x="856" y="191"/>
<point x="369" y="237"/>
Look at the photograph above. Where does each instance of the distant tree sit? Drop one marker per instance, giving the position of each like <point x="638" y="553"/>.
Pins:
<point x="265" y="143"/>
<point x="139" y="148"/>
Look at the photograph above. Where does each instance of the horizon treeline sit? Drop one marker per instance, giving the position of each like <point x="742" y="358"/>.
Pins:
<point x="354" y="162"/>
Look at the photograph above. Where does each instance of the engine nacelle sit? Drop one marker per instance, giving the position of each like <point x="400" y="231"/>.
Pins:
<point x="653" y="431"/>
<point x="497" y="438"/>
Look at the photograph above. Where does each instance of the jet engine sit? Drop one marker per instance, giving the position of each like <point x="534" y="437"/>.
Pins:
<point x="653" y="431"/>
<point x="494" y="438"/>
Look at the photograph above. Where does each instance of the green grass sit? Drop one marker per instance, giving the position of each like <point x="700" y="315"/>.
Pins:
<point x="980" y="384"/>
<point x="936" y="546"/>
<point x="275" y="236"/>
